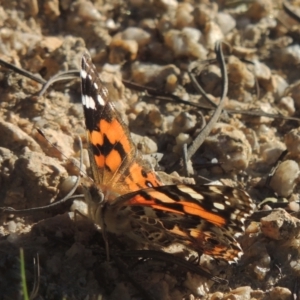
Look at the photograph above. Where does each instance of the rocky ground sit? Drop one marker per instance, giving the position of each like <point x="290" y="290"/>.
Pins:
<point x="146" y="50"/>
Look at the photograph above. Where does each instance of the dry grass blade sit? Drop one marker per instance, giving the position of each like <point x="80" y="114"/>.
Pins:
<point x="68" y="75"/>
<point x="211" y="123"/>
<point x="37" y="276"/>
<point x="22" y="72"/>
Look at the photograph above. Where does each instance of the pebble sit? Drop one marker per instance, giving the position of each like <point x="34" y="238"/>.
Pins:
<point x="67" y="184"/>
<point x="240" y="293"/>
<point x="183" y="122"/>
<point x="181" y="139"/>
<point x="271" y="150"/>
<point x="184" y="17"/>
<point x="292" y="141"/>
<point x="259" y="9"/>
<point x="212" y="34"/>
<point x="280" y="85"/>
<point x="263" y="75"/>
<point x="280" y="293"/>
<point x="155" y="75"/>
<point x="226" y="22"/>
<point x="230" y="146"/>
<point x="239" y="74"/>
<point x="294" y="91"/>
<point x="87" y="11"/>
<point x="51" y="9"/>
<point x="203" y="13"/>
<point x="144" y="144"/>
<point x="287" y="106"/>
<point x="288" y="56"/>
<point x="185" y="43"/>
<point x="285" y="178"/>
<point x="11" y="226"/>
<point x="280" y="225"/>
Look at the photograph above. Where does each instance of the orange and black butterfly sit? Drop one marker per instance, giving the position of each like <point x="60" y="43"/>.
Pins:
<point x="205" y="219"/>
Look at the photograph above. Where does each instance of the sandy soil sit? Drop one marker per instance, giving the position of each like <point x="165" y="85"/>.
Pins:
<point x="153" y="44"/>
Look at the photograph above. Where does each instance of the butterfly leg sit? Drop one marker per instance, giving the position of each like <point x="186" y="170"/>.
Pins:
<point x="96" y="210"/>
<point x="104" y="235"/>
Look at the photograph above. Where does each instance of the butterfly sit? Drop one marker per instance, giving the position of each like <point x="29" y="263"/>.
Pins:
<point x="202" y="218"/>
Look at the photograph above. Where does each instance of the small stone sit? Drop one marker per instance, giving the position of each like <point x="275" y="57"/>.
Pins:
<point x="154" y="75"/>
<point x="67" y="184"/>
<point x="51" y="9"/>
<point x="184" y="122"/>
<point x="280" y="293"/>
<point x="287" y="106"/>
<point x="203" y="13"/>
<point x="229" y="145"/>
<point x="271" y="150"/>
<point x="87" y="11"/>
<point x="279" y="85"/>
<point x="263" y="75"/>
<point x="11" y="226"/>
<point x="181" y="139"/>
<point x="185" y="43"/>
<point x="122" y="50"/>
<point x="288" y="56"/>
<point x="292" y="141"/>
<point x="294" y="91"/>
<point x="212" y="34"/>
<point x="239" y="74"/>
<point x="216" y="296"/>
<point x="240" y="293"/>
<point x="183" y="16"/>
<point x="144" y="144"/>
<point x="259" y="9"/>
<point x="226" y="22"/>
<point x="279" y="225"/>
<point x="285" y="178"/>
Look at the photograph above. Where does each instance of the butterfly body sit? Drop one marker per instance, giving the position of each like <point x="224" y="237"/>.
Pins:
<point x="136" y="204"/>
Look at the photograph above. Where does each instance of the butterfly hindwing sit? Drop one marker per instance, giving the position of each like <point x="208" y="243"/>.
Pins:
<point x="203" y="218"/>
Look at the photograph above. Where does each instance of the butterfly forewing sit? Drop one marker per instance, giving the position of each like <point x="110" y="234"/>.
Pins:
<point x="112" y="153"/>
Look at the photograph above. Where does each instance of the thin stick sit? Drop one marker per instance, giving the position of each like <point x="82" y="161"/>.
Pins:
<point x="37" y="277"/>
<point x="211" y="123"/>
<point x="22" y="72"/>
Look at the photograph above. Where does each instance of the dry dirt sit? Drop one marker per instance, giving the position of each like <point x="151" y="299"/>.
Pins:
<point x="152" y="43"/>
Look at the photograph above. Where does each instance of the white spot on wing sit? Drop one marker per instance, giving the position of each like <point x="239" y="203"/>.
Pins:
<point x="88" y="102"/>
<point x="95" y="85"/>
<point x="219" y="206"/>
<point x="83" y="100"/>
<point x="191" y="192"/>
<point x="83" y="74"/>
<point x="100" y="100"/>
